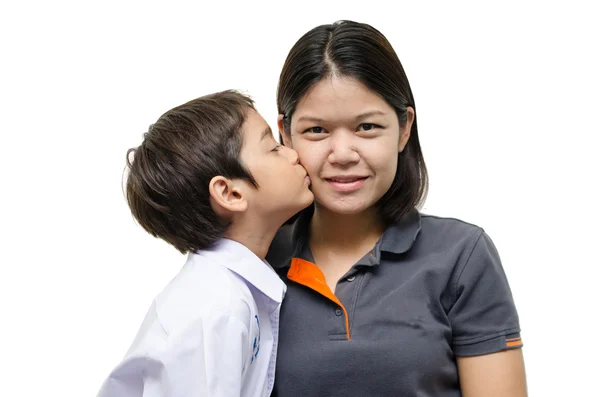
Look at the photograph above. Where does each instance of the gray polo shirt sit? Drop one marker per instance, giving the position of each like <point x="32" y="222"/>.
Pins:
<point x="430" y="290"/>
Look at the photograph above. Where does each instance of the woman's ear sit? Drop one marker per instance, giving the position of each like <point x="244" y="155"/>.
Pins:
<point x="406" y="128"/>
<point x="283" y="137"/>
<point x="227" y="196"/>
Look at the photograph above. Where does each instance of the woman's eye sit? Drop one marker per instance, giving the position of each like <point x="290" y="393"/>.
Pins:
<point x="276" y="148"/>
<point x="314" y="130"/>
<point x="367" y="126"/>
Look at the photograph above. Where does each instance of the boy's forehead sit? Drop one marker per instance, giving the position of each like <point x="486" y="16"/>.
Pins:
<point x="255" y="127"/>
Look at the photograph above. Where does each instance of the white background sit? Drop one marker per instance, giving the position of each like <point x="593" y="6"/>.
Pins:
<point x="507" y="102"/>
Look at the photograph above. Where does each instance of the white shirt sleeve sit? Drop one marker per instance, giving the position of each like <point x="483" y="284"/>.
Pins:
<point x="205" y="358"/>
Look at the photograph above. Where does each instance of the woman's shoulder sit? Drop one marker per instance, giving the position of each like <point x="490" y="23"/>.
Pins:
<point x="423" y="233"/>
<point x="444" y="224"/>
<point x="460" y="240"/>
<point x="448" y="232"/>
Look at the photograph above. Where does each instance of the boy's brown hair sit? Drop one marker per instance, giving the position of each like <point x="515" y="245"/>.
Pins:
<point x="167" y="186"/>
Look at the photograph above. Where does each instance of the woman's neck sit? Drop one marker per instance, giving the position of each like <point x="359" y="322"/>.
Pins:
<point x="343" y="231"/>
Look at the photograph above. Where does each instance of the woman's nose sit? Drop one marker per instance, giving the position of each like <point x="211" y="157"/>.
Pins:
<point x="343" y="150"/>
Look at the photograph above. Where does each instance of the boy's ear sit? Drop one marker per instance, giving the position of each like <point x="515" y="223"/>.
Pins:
<point x="227" y="195"/>
<point x="283" y="137"/>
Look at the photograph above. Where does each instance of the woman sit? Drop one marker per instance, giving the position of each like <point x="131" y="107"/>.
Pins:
<point x="381" y="300"/>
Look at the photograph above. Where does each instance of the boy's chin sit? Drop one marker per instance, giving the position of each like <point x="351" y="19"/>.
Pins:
<point x="301" y="207"/>
<point x="308" y="199"/>
<point x="298" y="206"/>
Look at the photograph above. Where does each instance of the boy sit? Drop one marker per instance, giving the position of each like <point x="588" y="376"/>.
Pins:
<point x="210" y="179"/>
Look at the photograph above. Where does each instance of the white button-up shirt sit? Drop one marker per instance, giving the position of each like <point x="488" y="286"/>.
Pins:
<point x="211" y="332"/>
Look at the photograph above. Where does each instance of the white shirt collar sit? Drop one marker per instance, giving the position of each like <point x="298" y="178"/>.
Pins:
<point x="239" y="259"/>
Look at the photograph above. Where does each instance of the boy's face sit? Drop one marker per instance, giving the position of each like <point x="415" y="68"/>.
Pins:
<point x="282" y="182"/>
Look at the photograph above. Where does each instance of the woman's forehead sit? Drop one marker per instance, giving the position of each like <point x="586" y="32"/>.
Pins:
<point x="342" y="98"/>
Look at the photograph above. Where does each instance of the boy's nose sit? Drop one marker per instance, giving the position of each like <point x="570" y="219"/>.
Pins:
<point x="292" y="155"/>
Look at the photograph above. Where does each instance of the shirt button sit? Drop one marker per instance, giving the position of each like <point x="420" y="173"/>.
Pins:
<point x="338" y="311"/>
<point x="351" y="278"/>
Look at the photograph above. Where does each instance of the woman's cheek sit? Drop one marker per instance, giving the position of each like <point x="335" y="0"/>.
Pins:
<point x="308" y="156"/>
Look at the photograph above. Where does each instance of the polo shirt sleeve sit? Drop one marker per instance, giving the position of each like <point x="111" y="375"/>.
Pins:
<point x="483" y="317"/>
<point x="205" y="359"/>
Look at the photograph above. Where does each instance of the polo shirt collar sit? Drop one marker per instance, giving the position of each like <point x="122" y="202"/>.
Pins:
<point x="240" y="260"/>
<point x="300" y="230"/>
<point x="399" y="237"/>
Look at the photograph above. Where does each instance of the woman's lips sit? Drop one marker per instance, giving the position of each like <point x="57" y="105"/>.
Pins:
<point x="346" y="183"/>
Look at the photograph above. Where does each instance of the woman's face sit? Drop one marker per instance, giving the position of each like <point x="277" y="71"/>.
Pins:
<point x="348" y="139"/>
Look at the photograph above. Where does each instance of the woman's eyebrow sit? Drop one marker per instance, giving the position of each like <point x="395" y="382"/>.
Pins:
<point x="369" y="114"/>
<point x="310" y="118"/>
<point x="359" y="117"/>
